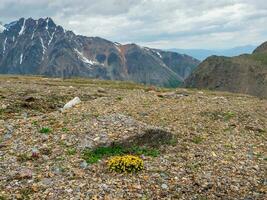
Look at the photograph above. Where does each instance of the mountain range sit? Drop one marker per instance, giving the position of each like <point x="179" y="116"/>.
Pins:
<point x="246" y="73"/>
<point x="202" y="54"/>
<point x="40" y="47"/>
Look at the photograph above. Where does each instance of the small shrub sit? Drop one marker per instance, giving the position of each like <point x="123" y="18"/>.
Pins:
<point x="119" y="98"/>
<point x="26" y="193"/>
<point x="2" y="197"/>
<point x="197" y="139"/>
<point x="24" y="157"/>
<point x="35" y="123"/>
<point x="228" y="115"/>
<point x="127" y="163"/>
<point x="45" y="130"/>
<point x="71" y="151"/>
<point x="65" y="129"/>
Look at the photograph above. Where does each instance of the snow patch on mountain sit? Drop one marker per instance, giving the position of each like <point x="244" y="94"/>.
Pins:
<point x="22" y="28"/>
<point x="84" y="59"/>
<point x="43" y="46"/>
<point x="117" y="47"/>
<point x="21" y="58"/>
<point x="52" y="37"/>
<point x="34" y="30"/>
<point x="47" y="20"/>
<point x="2" y="28"/>
<point x="159" y="54"/>
<point x="4" y="46"/>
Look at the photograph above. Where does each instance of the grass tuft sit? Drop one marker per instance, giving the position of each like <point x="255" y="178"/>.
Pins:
<point x="45" y="130"/>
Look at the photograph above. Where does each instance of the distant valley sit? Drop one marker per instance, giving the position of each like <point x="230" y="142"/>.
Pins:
<point x="202" y="54"/>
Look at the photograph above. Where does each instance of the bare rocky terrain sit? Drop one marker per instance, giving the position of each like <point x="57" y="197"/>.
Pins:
<point x="207" y="145"/>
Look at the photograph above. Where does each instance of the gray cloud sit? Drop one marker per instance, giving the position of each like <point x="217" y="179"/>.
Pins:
<point x="156" y="23"/>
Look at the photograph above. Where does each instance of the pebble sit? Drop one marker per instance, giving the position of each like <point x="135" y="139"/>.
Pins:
<point x="84" y="165"/>
<point x="47" y="181"/>
<point x="164" y="186"/>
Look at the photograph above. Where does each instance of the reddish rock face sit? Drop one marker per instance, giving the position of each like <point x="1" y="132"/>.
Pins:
<point x="43" y="48"/>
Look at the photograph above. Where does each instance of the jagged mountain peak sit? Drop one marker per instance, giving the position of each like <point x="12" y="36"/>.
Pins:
<point x="29" y="46"/>
<point x="30" y="25"/>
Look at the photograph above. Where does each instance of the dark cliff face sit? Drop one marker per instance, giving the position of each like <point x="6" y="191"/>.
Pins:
<point x="242" y="74"/>
<point x="41" y="47"/>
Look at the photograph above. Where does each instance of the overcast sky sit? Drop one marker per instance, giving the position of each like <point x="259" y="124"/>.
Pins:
<point x="154" y="23"/>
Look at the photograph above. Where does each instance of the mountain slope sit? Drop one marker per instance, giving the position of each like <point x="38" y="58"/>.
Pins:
<point x="41" y="47"/>
<point x="202" y="54"/>
<point x="243" y="74"/>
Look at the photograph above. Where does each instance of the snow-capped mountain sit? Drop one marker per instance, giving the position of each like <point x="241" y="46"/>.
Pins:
<point x="29" y="46"/>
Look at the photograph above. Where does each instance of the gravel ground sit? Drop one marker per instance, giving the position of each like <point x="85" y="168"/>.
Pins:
<point x="219" y="150"/>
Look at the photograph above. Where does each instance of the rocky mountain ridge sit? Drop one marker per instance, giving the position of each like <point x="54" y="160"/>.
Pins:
<point x="242" y="74"/>
<point x="41" y="47"/>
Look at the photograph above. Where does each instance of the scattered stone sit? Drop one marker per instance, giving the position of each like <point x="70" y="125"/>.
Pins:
<point x="101" y="90"/>
<point x="167" y="94"/>
<point x="35" y="153"/>
<point x="47" y="181"/>
<point x="164" y="186"/>
<point x="24" y="174"/>
<point x="253" y="128"/>
<point x="29" y="99"/>
<point x="84" y="164"/>
<point x="71" y="103"/>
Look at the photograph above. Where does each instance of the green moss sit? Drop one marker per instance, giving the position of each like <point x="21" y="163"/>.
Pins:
<point x="93" y="156"/>
<point x="71" y="151"/>
<point x="65" y="129"/>
<point x="26" y="193"/>
<point x="228" y="115"/>
<point x="119" y="98"/>
<point x="45" y="130"/>
<point x="35" y="123"/>
<point x="2" y="197"/>
<point x="219" y="115"/>
<point x="197" y="139"/>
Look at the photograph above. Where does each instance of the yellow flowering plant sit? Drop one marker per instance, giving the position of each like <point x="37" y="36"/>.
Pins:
<point x="126" y="163"/>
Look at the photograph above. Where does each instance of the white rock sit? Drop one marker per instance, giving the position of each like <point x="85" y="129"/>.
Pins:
<point x="164" y="186"/>
<point x="71" y="103"/>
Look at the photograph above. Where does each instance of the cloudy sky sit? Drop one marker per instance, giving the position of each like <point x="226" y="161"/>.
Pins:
<point x="155" y="23"/>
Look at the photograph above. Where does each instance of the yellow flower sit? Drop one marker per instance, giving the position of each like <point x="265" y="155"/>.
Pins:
<point x="127" y="163"/>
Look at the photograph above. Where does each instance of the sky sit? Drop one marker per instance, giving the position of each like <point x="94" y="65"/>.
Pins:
<point x="205" y="24"/>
